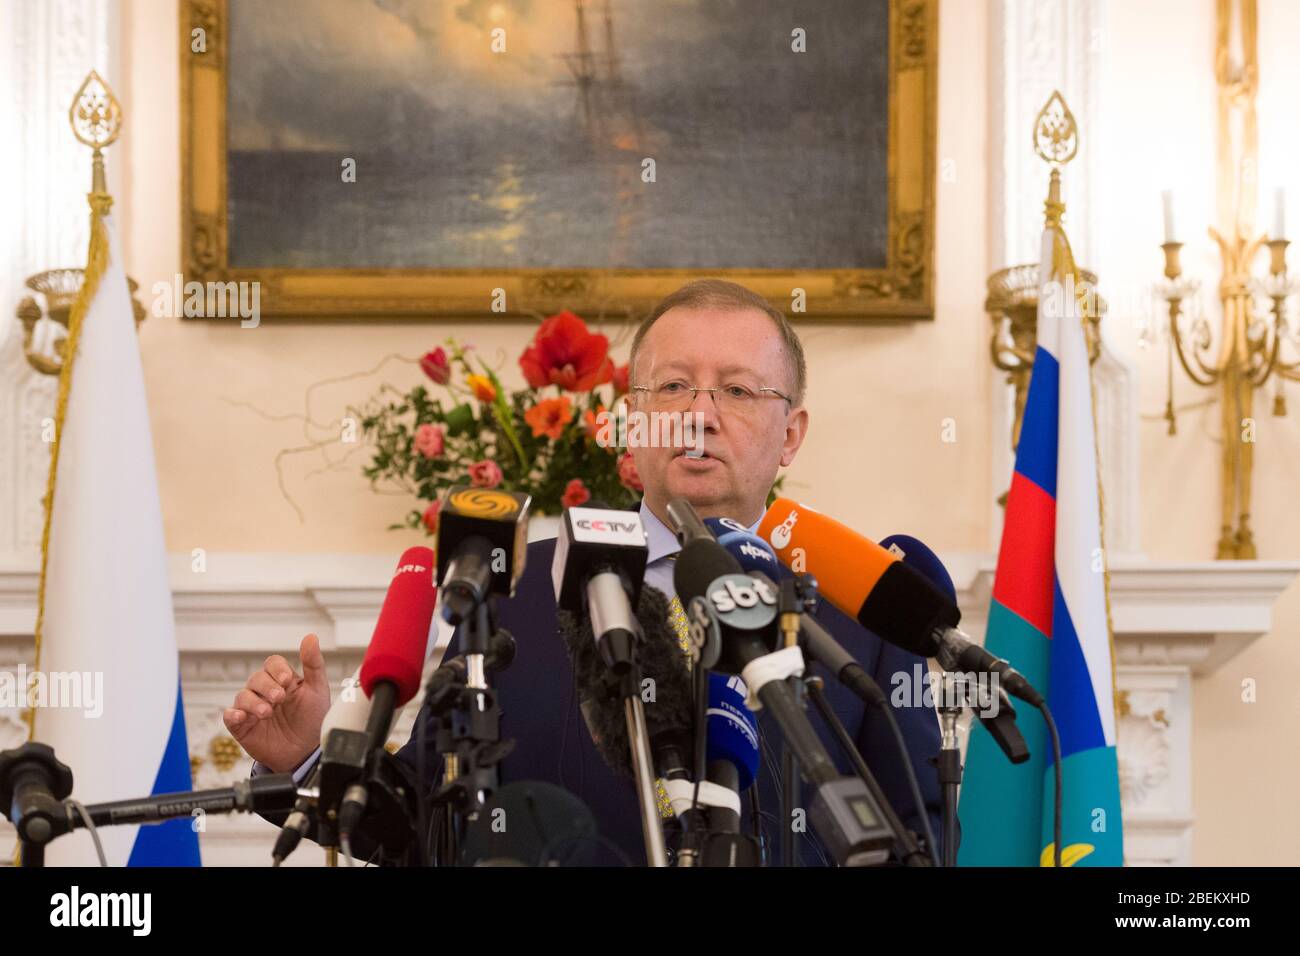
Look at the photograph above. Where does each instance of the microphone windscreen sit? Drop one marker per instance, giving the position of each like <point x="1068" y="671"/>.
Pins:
<point x="660" y="658"/>
<point x="751" y="552"/>
<point x="732" y="728"/>
<point x="847" y="565"/>
<point x="859" y="577"/>
<point x="699" y="564"/>
<point x="397" y="648"/>
<point x="546" y="825"/>
<point x="921" y="559"/>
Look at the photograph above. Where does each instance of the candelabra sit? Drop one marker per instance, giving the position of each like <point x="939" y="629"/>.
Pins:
<point x="1250" y="354"/>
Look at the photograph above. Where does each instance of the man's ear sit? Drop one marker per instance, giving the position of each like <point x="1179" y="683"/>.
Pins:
<point x="796" y="429"/>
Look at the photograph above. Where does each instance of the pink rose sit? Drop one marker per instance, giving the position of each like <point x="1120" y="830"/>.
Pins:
<point x="485" y="474"/>
<point x="627" y="473"/>
<point x="434" y="364"/>
<point x="431" y="517"/>
<point x="429" y="441"/>
<point x="575" y="494"/>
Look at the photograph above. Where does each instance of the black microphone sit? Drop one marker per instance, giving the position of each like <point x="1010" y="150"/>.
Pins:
<point x="660" y="659"/>
<point x="549" y="826"/>
<point x="956" y="651"/>
<point x="500" y="655"/>
<point x="998" y="718"/>
<point x="482" y="546"/>
<point x="843" y="811"/>
<point x="599" y="564"/>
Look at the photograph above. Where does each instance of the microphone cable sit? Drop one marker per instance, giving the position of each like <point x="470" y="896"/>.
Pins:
<point x="1056" y="772"/>
<point x="850" y="749"/>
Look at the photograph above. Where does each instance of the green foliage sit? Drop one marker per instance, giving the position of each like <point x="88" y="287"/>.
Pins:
<point x="475" y="430"/>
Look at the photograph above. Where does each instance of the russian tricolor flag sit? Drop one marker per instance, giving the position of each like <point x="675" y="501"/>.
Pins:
<point x="105" y="613"/>
<point x="1049" y="616"/>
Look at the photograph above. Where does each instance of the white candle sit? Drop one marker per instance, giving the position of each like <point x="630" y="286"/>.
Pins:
<point x="1279" y="214"/>
<point x="1167" y="198"/>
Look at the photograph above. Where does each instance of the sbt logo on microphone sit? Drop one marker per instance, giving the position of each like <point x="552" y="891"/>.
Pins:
<point x="735" y="595"/>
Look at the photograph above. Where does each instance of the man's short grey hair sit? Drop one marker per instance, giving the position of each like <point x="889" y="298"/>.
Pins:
<point x="730" y="296"/>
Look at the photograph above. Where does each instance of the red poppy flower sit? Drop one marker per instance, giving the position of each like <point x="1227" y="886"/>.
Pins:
<point x="565" y="353"/>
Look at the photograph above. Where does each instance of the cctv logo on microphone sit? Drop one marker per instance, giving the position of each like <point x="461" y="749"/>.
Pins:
<point x="601" y="526"/>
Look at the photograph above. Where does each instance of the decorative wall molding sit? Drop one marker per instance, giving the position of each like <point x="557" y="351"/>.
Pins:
<point x="46" y="50"/>
<point x="1172" y="622"/>
<point x="1035" y="47"/>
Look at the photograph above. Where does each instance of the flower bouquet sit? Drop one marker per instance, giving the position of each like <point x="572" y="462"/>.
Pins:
<point x="468" y="429"/>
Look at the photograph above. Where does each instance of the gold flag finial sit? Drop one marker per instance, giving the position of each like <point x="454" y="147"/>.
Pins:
<point x="1056" y="136"/>
<point x="1056" y="141"/>
<point x="96" y="118"/>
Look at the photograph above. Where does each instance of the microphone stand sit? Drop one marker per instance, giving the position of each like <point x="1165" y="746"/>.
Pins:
<point x="468" y="732"/>
<point x="618" y="651"/>
<point x="948" y="762"/>
<point x="35" y="784"/>
<point x="1001" y="725"/>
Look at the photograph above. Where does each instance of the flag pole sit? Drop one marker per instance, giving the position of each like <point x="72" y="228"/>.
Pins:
<point x="96" y="119"/>
<point x="1056" y="141"/>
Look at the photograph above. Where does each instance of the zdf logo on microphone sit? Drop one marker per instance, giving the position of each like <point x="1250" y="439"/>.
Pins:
<point x="780" y="536"/>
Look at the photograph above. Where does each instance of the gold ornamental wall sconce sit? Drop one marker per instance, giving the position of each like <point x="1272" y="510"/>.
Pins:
<point x="46" y="329"/>
<point x="1250" y="335"/>
<point x="96" y="119"/>
<point x="1012" y="293"/>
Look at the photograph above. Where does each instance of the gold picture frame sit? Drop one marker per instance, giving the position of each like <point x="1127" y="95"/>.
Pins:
<point x="903" y="289"/>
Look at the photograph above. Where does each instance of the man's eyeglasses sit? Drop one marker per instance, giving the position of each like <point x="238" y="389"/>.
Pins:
<point x="676" y="395"/>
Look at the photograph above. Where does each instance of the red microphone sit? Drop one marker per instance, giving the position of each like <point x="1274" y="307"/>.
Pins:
<point x="394" y="662"/>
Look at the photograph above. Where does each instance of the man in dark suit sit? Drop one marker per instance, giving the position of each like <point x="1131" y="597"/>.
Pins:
<point x="718" y="352"/>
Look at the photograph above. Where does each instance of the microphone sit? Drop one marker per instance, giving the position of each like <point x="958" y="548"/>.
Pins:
<point x="344" y="714"/>
<point x="600" y="559"/>
<point x="549" y="826"/>
<point x="957" y="652"/>
<point x="390" y="672"/>
<point x="500" y="655"/>
<point x="660" y="659"/>
<point x="884" y="594"/>
<point x="921" y="559"/>
<point x="1000" y="722"/>
<point x="482" y="545"/>
<point x="843" y="811"/>
<point x="732" y="727"/>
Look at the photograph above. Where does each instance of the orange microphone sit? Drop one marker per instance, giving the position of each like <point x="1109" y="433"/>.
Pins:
<point x="860" y="577"/>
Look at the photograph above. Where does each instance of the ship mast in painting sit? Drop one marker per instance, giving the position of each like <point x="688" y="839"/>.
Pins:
<point x="604" y="102"/>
